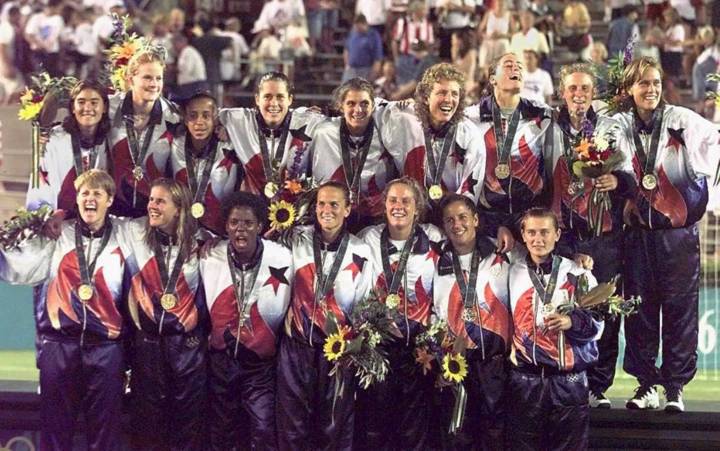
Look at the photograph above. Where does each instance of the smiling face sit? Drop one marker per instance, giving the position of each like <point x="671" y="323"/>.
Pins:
<point x="163" y="213"/>
<point x="331" y="209"/>
<point x="460" y="225"/>
<point x="357" y="109"/>
<point x="578" y="92"/>
<point x="93" y="203"/>
<point x="646" y="92"/>
<point x="443" y="102"/>
<point x="242" y="228"/>
<point x="400" y="207"/>
<point x="508" y="74"/>
<point x="273" y="101"/>
<point x="540" y="235"/>
<point x="88" y="108"/>
<point x="147" y="82"/>
<point x="200" y="117"/>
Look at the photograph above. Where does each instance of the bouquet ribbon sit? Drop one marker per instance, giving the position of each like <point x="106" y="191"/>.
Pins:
<point x="458" y="412"/>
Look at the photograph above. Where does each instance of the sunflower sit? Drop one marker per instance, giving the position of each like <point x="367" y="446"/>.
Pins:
<point x="30" y="111"/>
<point x="454" y="367"/>
<point x="281" y="215"/>
<point x="334" y="346"/>
<point x="125" y="50"/>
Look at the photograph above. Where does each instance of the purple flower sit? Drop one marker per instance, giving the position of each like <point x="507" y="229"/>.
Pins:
<point x="587" y="128"/>
<point x="628" y="53"/>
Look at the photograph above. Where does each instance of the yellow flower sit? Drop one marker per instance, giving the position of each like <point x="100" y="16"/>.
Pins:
<point x="118" y="79"/>
<point x="281" y="215"/>
<point x="125" y="50"/>
<point x="27" y="96"/>
<point x="30" y="111"/>
<point x="454" y="367"/>
<point x="334" y="346"/>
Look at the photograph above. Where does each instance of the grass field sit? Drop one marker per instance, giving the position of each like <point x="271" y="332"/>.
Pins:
<point x="20" y="365"/>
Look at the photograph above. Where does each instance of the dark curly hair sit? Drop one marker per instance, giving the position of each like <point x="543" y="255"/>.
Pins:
<point x="240" y="199"/>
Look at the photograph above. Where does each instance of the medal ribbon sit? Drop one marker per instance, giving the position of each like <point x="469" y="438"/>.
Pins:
<point x="545" y="292"/>
<point x="393" y="278"/>
<point x="436" y="168"/>
<point x="503" y="150"/>
<point x="242" y="291"/>
<point x="354" y="171"/>
<point x="279" y="151"/>
<point x="324" y="283"/>
<point x="87" y="270"/>
<point x="168" y="283"/>
<point x="467" y="289"/>
<point x="137" y="154"/>
<point x="647" y="160"/>
<point x="198" y="188"/>
<point x="77" y="156"/>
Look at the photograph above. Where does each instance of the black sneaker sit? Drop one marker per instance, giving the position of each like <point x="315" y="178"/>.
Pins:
<point x="598" y="400"/>
<point x="673" y="400"/>
<point x="646" y="397"/>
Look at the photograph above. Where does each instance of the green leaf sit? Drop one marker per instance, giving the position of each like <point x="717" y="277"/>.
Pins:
<point x="331" y="325"/>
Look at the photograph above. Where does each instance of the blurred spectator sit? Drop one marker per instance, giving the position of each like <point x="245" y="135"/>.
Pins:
<point x="10" y="78"/>
<point x="706" y="63"/>
<point x="428" y="57"/>
<point x="230" y="59"/>
<point x="672" y="49"/>
<point x="494" y="33"/>
<point x="686" y="10"/>
<point x="654" y="11"/>
<point x="160" y="33"/>
<point x="621" y="30"/>
<point x="529" y="37"/>
<point x="386" y="84"/>
<point x="576" y="29"/>
<point x="363" y="51"/>
<point x="82" y="40"/>
<point x="330" y="15"/>
<point x="376" y="13"/>
<point x="651" y="42"/>
<point x="275" y="16"/>
<point x="190" y="70"/>
<point x="103" y="26"/>
<point x="537" y="82"/>
<point x="454" y="16"/>
<point x="42" y="31"/>
<point x="176" y="21"/>
<point x="464" y="47"/>
<point x="211" y="45"/>
<point x="411" y="31"/>
<point x="617" y="6"/>
<point x="544" y="20"/>
<point x="599" y="59"/>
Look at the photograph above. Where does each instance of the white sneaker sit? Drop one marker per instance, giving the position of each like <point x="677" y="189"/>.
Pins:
<point x="673" y="400"/>
<point x="646" y="397"/>
<point x="598" y="400"/>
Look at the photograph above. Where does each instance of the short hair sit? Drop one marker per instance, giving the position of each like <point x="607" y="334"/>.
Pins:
<point x="451" y="198"/>
<point x="539" y="212"/>
<point x="186" y="225"/>
<point x="240" y="199"/>
<point x="360" y="19"/>
<point x="354" y="84"/>
<point x="337" y="185"/>
<point x="418" y="193"/>
<point x="96" y="178"/>
<point x="492" y="69"/>
<point x="274" y="76"/>
<point x="151" y="54"/>
<point x="434" y="74"/>
<point x="200" y="95"/>
<point x="569" y="69"/>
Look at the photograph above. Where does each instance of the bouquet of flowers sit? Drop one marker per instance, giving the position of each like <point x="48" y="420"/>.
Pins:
<point x="290" y="198"/>
<point x="614" y="96"/>
<point x="594" y="155"/>
<point x="437" y="349"/>
<point x="603" y="299"/>
<point x="24" y="226"/>
<point x="31" y="105"/>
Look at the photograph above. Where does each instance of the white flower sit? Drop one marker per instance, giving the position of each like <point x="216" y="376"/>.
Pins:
<point x="601" y="143"/>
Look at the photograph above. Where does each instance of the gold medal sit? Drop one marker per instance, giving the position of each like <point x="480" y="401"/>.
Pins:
<point x="548" y="309"/>
<point x="271" y="190"/>
<point x="137" y="173"/>
<point x="649" y="182"/>
<point x="197" y="210"/>
<point x="502" y="171"/>
<point x="435" y="192"/>
<point x="168" y="301"/>
<point x="85" y="292"/>
<point x="392" y="300"/>
<point x="469" y="314"/>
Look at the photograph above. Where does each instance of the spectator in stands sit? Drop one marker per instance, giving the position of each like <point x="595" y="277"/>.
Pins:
<point x="363" y="51"/>
<point x="103" y="25"/>
<point x="537" y="82"/>
<point x="464" y="47"/>
<point x="386" y="85"/>
<point x="529" y="38"/>
<point x="664" y="267"/>
<point x="599" y="58"/>
<point x="83" y="43"/>
<point x="576" y="29"/>
<point x="230" y="60"/>
<point x="191" y="76"/>
<point x="672" y="49"/>
<point x="330" y="15"/>
<point x="705" y="64"/>
<point x="376" y="13"/>
<point x="410" y="32"/>
<point x="453" y="17"/>
<point x="428" y="57"/>
<point x="42" y="31"/>
<point x="622" y="30"/>
<point x="494" y="33"/>
<point x="544" y="19"/>
<point x="654" y="11"/>
<point x="10" y="78"/>
<point x="211" y="45"/>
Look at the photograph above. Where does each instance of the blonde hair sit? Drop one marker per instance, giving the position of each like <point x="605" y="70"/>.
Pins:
<point x="151" y="54"/>
<point x="435" y="74"/>
<point x="96" y="178"/>
<point x="632" y="73"/>
<point x="186" y="225"/>
<point x="583" y="68"/>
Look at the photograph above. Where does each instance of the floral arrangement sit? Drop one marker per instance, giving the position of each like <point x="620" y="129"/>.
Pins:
<point x="615" y="98"/>
<point x="594" y="155"/>
<point x="124" y="45"/>
<point x="33" y="98"/>
<point x="290" y="199"/>
<point x="24" y="226"/>
<point x="437" y="350"/>
<point x="603" y="299"/>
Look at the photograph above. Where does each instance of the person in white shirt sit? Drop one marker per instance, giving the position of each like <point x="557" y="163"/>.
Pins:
<point x="529" y="37"/>
<point x="230" y="61"/>
<point x="10" y="79"/>
<point x="537" y="82"/>
<point x="42" y="31"/>
<point x="190" y="66"/>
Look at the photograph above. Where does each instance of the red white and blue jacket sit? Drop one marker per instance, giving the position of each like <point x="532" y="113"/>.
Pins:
<point x="57" y="171"/>
<point x="489" y="332"/>
<point x="571" y="350"/>
<point x="54" y="264"/>
<point x="271" y="273"/>
<point x="353" y="283"/>
<point x="144" y="286"/>
<point x="225" y="178"/>
<point x="688" y="153"/>
<point x="164" y="118"/>
<point x="416" y="288"/>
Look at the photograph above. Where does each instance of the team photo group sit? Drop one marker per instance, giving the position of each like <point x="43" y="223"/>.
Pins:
<point x="421" y="274"/>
